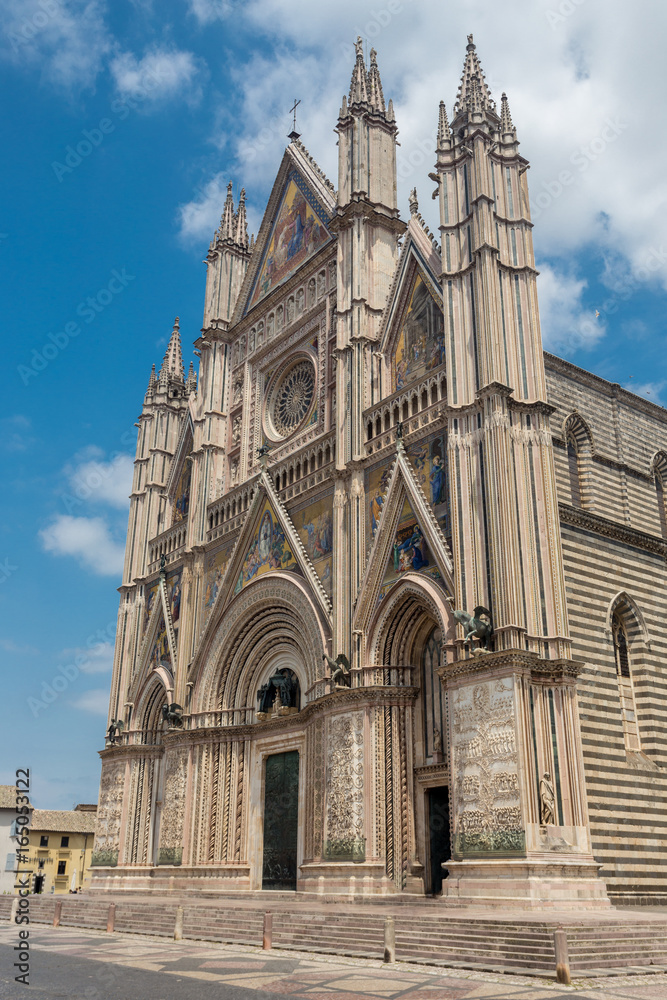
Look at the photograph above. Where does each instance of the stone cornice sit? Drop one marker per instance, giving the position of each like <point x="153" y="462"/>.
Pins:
<point x="611" y="389"/>
<point x="579" y="518"/>
<point x="132" y="750"/>
<point x="516" y="661"/>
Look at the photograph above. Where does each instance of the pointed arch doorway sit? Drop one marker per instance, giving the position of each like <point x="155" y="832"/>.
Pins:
<point x="281" y="820"/>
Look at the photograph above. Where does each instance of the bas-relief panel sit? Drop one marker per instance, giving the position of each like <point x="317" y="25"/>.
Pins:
<point x="485" y="770"/>
<point x="215" y="566"/>
<point x="107" y="825"/>
<point x="420" y="346"/>
<point x="182" y="493"/>
<point x="299" y="231"/>
<point x="268" y="550"/>
<point x="314" y="525"/>
<point x="345" y="788"/>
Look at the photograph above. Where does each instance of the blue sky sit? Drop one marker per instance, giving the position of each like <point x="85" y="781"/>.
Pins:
<point x="122" y="124"/>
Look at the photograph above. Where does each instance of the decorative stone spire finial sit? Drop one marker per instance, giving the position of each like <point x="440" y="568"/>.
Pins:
<point x="390" y="111"/>
<point x="152" y="382"/>
<point x="473" y="94"/>
<point x="172" y="371"/>
<point x="241" y="233"/>
<point x="358" y="83"/>
<point x="506" y="123"/>
<point x="226" y="230"/>
<point x="375" y="94"/>
<point x="191" y="383"/>
<point x="412" y="201"/>
<point x="444" y="133"/>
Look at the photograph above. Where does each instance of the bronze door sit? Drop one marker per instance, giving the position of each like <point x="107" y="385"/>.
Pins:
<point x="438" y="826"/>
<point x="281" y="816"/>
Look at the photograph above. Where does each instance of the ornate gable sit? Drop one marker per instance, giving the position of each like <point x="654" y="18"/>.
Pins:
<point x="295" y="227"/>
<point x="180" y="474"/>
<point x="413" y="325"/>
<point x="407" y="538"/>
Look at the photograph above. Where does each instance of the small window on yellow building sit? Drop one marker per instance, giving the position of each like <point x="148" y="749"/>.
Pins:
<point x="61" y="867"/>
<point x="64" y="841"/>
<point x="43" y="841"/>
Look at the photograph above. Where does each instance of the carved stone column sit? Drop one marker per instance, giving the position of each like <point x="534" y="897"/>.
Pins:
<point x="513" y="719"/>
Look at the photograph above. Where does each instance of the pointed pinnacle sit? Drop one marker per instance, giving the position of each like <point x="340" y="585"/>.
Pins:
<point x="390" y="111"/>
<point x="506" y="123"/>
<point x="444" y="134"/>
<point x="152" y="382"/>
<point x="172" y="369"/>
<point x="343" y="108"/>
<point x="376" y="97"/>
<point x="227" y="220"/>
<point x="241" y="234"/>
<point x="191" y="384"/>
<point x="468" y="92"/>
<point x="358" y="87"/>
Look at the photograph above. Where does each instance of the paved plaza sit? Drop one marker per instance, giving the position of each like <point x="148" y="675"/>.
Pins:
<point x="73" y="964"/>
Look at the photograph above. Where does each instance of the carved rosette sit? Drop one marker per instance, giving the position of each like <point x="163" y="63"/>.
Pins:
<point x="486" y="791"/>
<point x="345" y="788"/>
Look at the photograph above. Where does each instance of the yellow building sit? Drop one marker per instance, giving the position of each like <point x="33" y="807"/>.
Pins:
<point x="60" y="849"/>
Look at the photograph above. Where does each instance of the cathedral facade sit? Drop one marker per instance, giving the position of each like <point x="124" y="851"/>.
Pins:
<point x="391" y="613"/>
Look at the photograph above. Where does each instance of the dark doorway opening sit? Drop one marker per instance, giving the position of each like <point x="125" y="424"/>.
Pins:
<point x="438" y="826"/>
<point x="281" y="820"/>
<point x="39" y="884"/>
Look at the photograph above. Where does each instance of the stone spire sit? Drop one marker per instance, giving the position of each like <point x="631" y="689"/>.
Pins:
<point x="358" y="83"/>
<point x="172" y="371"/>
<point x="473" y="94"/>
<point x="191" y="382"/>
<point x="152" y="382"/>
<point x="444" y="132"/>
<point x="241" y="234"/>
<point x="506" y="123"/>
<point x="375" y="94"/>
<point x="226" y="230"/>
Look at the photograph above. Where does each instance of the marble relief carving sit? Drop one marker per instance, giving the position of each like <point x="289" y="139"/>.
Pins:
<point x="487" y="794"/>
<point x="171" y="827"/>
<point x="345" y="788"/>
<point x="107" y="830"/>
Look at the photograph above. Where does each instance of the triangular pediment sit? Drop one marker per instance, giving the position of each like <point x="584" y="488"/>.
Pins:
<point x="180" y="474"/>
<point x="159" y="647"/>
<point x="295" y="227"/>
<point x="413" y="325"/>
<point x="267" y="543"/>
<point x="407" y="538"/>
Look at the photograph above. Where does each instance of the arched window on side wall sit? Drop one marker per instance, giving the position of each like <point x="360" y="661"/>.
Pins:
<point x="660" y="477"/>
<point x="573" y="470"/>
<point x="625" y="687"/>
<point x="433" y="697"/>
<point x="579" y="444"/>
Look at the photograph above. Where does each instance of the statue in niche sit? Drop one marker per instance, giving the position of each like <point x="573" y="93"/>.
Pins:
<point x="475" y="627"/>
<point x="280" y="692"/>
<point x="236" y="432"/>
<point x="437" y="741"/>
<point x="341" y="675"/>
<point x="547" y="801"/>
<point x="234" y="473"/>
<point x="320" y="284"/>
<point x="279" y="319"/>
<point x="238" y="393"/>
<point x="290" y="310"/>
<point x="300" y="301"/>
<point x="269" y="326"/>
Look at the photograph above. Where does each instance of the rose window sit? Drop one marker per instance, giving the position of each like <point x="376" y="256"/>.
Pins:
<point x="293" y="398"/>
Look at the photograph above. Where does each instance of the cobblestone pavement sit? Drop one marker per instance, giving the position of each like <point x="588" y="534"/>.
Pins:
<point x="178" y="967"/>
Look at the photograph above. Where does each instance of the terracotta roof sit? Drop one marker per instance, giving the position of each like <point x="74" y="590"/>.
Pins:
<point x="62" y="821"/>
<point x="8" y="796"/>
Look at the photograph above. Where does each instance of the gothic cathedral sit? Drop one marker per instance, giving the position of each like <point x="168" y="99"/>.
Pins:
<point x="392" y="611"/>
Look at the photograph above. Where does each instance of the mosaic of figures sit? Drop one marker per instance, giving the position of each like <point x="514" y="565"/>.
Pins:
<point x="315" y="528"/>
<point x="486" y="779"/>
<point x="410" y="552"/>
<point x="298" y="232"/>
<point x="268" y="550"/>
<point x="429" y="461"/>
<point x="182" y="494"/>
<point x="421" y="341"/>
<point x="215" y="566"/>
<point x="160" y="652"/>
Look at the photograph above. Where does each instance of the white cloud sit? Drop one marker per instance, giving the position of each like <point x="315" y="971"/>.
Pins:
<point x="97" y="659"/>
<point x="207" y="11"/>
<point x="161" y="73"/>
<point x="15" y="433"/>
<point x="87" y="539"/>
<point x="585" y="92"/>
<point x="66" y="39"/>
<point x="566" y="326"/>
<point x="200" y="217"/>
<point x="96" y="701"/>
<point x="92" y="478"/>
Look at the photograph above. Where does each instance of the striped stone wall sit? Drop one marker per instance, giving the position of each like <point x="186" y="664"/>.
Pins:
<point x="613" y="545"/>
